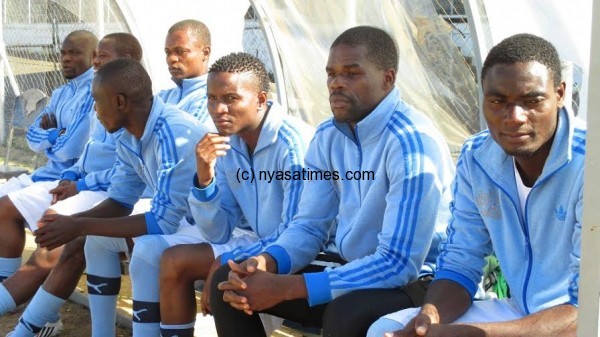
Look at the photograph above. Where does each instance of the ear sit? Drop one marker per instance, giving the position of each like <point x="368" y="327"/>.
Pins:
<point x="262" y="99"/>
<point x="121" y="101"/>
<point x="389" y="78"/>
<point x="206" y="52"/>
<point x="560" y="94"/>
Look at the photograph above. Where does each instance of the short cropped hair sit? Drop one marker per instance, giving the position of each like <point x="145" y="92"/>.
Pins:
<point x="126" y="43"/>
<point x="126" y="76"/>
<point x="91" y="41"/>
<point x="524" y="48"/>
<point x="196" y="28"/>
<point x="242" y="63"/>
<point x="381" y="47"/>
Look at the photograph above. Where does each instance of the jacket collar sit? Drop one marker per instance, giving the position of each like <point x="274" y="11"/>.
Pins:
<point x="188" y="85"/>
<point x="492" y="158"/>
<point x="83" y="79"/>
<point x="155" y="112"/>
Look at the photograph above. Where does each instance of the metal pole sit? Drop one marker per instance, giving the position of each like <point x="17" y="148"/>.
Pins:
<point x="589" y="280"/>
<point x="482" y="43"/>
<point x="2" y="88"/>
<point x="272" y="46"/>
<point x="100" y="17"/>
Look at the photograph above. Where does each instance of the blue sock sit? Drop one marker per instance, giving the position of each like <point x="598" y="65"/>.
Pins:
<point x="7" y="303"/>
<point x="143" y="270"/>
<point x="104" y="281"/>
<point x="180" y="330"/>
<point x="8" y="266"/>
<point x="42" y="309"/>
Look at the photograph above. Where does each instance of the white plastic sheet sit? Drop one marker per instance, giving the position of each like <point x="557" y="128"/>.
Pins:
<point x="432" y="73"/>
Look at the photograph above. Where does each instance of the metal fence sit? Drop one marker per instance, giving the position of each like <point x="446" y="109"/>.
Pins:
<point x="32" y="31"/>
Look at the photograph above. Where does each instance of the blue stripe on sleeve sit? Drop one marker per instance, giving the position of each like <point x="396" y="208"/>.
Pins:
<point x="168" y="160"/>
<point x="380" y="269"/>
<point x="81" y="117"/>
<point x="52" y="136"/>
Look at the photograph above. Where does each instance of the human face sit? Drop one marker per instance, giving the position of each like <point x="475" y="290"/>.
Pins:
<point x="75" y="56"/>
<point x="186" y="58"/>
<point x="105" y="52"/>
<point x="108" y="107"/>
<point x="356" y="85"/>
<point x="234" y="103"/>
<point x="521" y="106"/>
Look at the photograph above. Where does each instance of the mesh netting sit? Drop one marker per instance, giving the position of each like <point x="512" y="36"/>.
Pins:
<point x="32" y="32"/>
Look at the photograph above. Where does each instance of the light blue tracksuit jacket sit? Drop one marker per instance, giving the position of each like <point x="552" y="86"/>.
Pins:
<point x="189" y="95"/>
<point x="385" y="225"/>
<point x="539" y="249"/>
<point x="266" y="203"/>
<point x="72" y="105"/>
<point x="163" y="159"/>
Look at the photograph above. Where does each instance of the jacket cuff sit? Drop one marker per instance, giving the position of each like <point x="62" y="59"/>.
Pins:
<point x="226" y="257"/>
<point x="81" y="185"/>
<point x="69" y="175"/>
<point x="152" y="226"/>
<point x="204" y="194"/>
<point x="462" y="280"/>
<point x="52" y="136"/>
<point x="284" y="263"/>
<point x="318" y="288"/>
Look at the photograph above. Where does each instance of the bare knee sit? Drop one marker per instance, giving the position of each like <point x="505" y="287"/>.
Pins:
<point x="43" y="259"/>
<point x="12" y="240"/>
<point x="8" y="210"/>
<point x="171" y="266"/>
<point x="186" y="263"/>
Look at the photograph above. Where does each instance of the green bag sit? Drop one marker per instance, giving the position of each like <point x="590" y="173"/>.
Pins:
<point x="494" y="279"/>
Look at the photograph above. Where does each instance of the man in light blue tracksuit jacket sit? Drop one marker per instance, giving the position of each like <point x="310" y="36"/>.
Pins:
<point x="187" y="49"/>
<point x="255" y="136"/>
<point x="518" y="193"/>
<point x="64" y="121"/>
<point x="154" y="151"/>
<point x="81" y="187"/>
<point x="386" y="219"/>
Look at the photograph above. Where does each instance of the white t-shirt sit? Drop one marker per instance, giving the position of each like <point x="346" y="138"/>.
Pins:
<point x="523" y="190"/>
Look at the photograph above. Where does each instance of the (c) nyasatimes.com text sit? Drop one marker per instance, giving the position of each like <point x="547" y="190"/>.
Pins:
<point x="303" y="174"/>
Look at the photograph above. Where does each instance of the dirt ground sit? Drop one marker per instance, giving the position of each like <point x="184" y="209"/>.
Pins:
<point x="75" y="317"/>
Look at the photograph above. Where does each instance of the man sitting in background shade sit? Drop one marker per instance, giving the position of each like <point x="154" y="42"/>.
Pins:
<point x="155" y="151"/>
<point x="81" y="186"/>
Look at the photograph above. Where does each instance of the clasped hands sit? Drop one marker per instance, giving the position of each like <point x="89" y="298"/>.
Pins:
<point x="250" y="287"/>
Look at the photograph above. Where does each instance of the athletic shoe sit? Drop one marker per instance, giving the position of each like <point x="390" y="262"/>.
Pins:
<point x="49" y="330"/>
